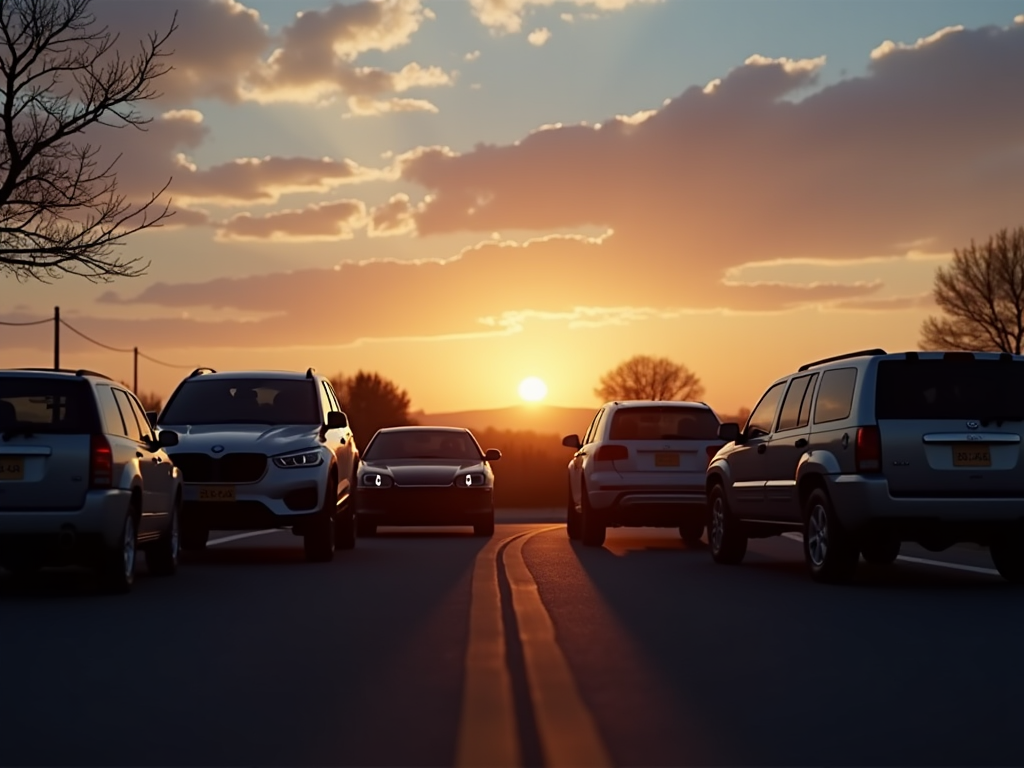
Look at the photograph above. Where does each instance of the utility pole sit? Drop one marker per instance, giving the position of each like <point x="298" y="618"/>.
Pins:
<point x="56" y="338"/>
<point x="135" y="371"/>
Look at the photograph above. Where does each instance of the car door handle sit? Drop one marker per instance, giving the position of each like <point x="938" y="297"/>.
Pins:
<point x="762" y="447"/>
<point x="801" y="443"/>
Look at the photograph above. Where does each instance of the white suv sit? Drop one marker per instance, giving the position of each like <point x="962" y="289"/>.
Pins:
<point x="263" y="449"/>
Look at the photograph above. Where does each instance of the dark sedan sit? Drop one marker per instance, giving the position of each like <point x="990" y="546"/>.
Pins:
<point x="425" y="476"/>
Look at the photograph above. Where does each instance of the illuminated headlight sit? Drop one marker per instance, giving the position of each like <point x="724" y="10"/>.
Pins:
<point x="471" y="480"/>
<point x="376" y="480"/>
<point x="304" y="459"/>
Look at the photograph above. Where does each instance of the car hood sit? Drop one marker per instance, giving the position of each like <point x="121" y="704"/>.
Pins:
<point x="243" y="437"/>
<point x="424" y="471"/>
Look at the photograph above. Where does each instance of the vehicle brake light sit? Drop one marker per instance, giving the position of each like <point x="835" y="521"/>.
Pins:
<point x="712" y="450"/>
<point x="868" y="453"/>
<point x="101" y="462"/>
<point x="612" y="453"/>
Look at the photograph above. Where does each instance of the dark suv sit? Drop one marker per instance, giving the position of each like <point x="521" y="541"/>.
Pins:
<point x="864" y="451"/>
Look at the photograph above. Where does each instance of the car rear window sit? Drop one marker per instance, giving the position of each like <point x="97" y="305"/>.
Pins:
<point x="664" y="422"/>
<point x="244" y="401"/>
<point x="46" y="405"/>
<point x="985" y="390"/>
<point x="422" y="444"/>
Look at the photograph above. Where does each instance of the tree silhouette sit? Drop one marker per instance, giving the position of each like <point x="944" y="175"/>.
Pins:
<point x="371" y="403"/>
<point x="643" y="377"/>
<point x="982" y="294"/>
<point x="61" y="75"/>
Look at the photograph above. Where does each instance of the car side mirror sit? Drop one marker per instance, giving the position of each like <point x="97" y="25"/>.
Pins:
<point x="730" y="432"/>
<point x="152" y="416"/>
<point x="492" y="454"/>
<point x="166" y="438"/>
<point x="572" y="441"/>
<point x="336" y="420"/>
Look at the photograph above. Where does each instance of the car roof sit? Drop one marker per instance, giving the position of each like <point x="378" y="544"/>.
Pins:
<point x="251" y="374"/>
<point x="864" y="357"/>
<point x="423" y="428"/>
<point x="672" y="403"/>
<point x="56" y="373"/>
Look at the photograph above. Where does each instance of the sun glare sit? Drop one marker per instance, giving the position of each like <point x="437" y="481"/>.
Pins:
<point x="532" y="389"/>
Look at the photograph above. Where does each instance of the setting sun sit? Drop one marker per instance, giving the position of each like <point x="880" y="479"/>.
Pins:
<point x="532" y="389"/>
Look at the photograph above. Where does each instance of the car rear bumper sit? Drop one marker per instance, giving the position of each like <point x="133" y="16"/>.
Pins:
<point x="648" y="508"/>
<point x="97" y="524"/>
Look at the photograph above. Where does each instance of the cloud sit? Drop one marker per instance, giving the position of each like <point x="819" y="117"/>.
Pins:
<point x="539" y="36"/>
<point x="319" y="222"/>
<point x="507" y="15"/>
<point x="472" y="56"/>
<point x="888" y="47"/>
<point x="396" y="217"/>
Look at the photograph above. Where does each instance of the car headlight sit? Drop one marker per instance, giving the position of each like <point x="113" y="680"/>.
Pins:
<point x="471" y="480"/>
<point x="376" y="480"/>
<point x="304" y="459"/>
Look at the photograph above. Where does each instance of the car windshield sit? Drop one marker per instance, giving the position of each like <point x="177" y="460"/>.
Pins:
<point x="243" y="401"/>
<point x="983" y="390"/>
<point x="423" y="444"/>
<point x="46" y="405"/>
<point x="664" y="422"/>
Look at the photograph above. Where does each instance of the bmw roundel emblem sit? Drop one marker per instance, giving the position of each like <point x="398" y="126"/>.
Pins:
<point x="218" y="449"/>
<point x="973" y="424"/>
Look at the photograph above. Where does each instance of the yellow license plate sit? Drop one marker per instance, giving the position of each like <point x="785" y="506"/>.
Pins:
<point x="666" y="459"/>
<point x="217" y="493"/>
<point x="968" y="455"/>
<point x="12" y="468"/>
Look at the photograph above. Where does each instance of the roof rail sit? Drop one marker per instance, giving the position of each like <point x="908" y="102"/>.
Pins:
<point x="201" y="371"/>
<point x="310" y="372"/>
<point x="860" y="353"/>
<point x="75" y="371"/>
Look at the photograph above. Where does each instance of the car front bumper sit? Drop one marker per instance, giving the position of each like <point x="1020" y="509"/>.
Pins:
<point x="442" y="505"/>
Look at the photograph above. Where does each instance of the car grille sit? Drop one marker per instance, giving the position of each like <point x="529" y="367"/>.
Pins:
<point x="230" y="468"/>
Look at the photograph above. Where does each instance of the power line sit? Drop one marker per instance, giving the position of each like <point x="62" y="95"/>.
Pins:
<point x="34" y="322"/>
<point x="87" y="338"/>
<point x="161" y="362"/>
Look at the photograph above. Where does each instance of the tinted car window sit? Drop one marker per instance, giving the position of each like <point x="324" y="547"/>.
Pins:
<point x="664" y="422"/>
<point x="141" y="418"/>
<point x="796" y="407"/>
<point x="591" y="432"/>
<point x="987" y="390"/>
<point x="763" y="417"/>
<point x="422" y="444"/>
<point x="45" y="405"/>
<point x="131" y="422"/>
<point x="112" y="421"/>
<point x="243" y="401"/>
<point x="835" y="395"/>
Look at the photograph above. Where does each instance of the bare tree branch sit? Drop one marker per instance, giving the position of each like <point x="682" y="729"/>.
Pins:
<point x="982" y="295"/>
<point x="643" y="377"/>
<point x="60" y="74"/>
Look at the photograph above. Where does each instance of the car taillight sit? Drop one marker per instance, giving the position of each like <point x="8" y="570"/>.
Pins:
<point x="612" y="453"/>
<point x="101" y="463"/>
<point x="712" y="450"/>
<point x="868" y="454"/>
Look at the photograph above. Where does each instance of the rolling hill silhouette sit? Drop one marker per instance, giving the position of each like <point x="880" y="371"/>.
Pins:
<point x="542" y="419"/>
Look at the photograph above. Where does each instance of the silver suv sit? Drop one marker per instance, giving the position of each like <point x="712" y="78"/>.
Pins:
<point x="83" y="480"/>
<point x="263" y="449"/>
<point x="864" y="451"/>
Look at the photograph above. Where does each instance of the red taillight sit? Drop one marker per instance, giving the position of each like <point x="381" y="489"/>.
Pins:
<point x="868" y="454"/>
<point x="712" y="450"/>
<point x="612" y="453"/>
<point x="101" y="463"/>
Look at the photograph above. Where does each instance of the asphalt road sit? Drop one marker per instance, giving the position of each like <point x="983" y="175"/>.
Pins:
<point x="438" y="648"/>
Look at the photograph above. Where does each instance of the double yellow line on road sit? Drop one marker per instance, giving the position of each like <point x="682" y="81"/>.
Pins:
<point x="489" y="728"/>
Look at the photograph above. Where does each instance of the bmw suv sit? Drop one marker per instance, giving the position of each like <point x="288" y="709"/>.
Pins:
<point x="263" y="449"/>
<point x="83" y="479"/>
<point x="864" y="451"/>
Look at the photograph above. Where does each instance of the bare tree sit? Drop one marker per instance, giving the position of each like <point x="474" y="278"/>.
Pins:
<point x="371" y="402"/>
<point x="644" y="377"/>
<point x="982" y="294"/>
<point x="61" y="74"/>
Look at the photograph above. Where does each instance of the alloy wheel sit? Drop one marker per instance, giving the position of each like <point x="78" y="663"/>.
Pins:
<point x="128" y="551"/>
<point x="817" y="534"/>
<point x="717" y="523"/>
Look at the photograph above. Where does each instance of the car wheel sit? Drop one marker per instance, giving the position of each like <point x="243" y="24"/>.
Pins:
<point x="162" y="557"/>
<point x="592" y="528"/>
<point x="880" y="551"/>
<point x="830" y="552"/>
<point x="1008" y="557"/>
<point x="365" y="528"/>
<point x="572" y="518"/>
<point x="345" y="526"/>
<point x="725" y="536"/>
<point x="485" y="528"/>
<point x="117" y="565"/>
<point x="691" y="532"/>
<point x="318" y="536"/>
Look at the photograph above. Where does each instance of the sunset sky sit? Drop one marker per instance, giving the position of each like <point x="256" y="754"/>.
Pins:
<point x="459" y="195"/>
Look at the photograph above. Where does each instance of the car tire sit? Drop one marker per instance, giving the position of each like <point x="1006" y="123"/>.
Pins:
<point x="117" y="563"/>
<point x="726" y="540"/>
<point x="162" y="557"/>
<point x="592" y="528"/>
<point x="572" y="518"/>
<point x="829" y="550"/>
<point x="193" y="538"/>
<point x="486" y="527"/>
<point x="318" y="539"/>
<point x="345" y="525"/>
<point x="365" y="528"/>
<point x="1008" y="557"/>
<point x="691" y="533"/>
<point x="880" y="551"/>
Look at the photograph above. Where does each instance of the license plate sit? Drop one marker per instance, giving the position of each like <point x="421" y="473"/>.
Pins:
<point x="968" y="455"/>
<point x="12" y="468"/>
<point x="666" y="459"/>
<point x="217" y="493"/>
